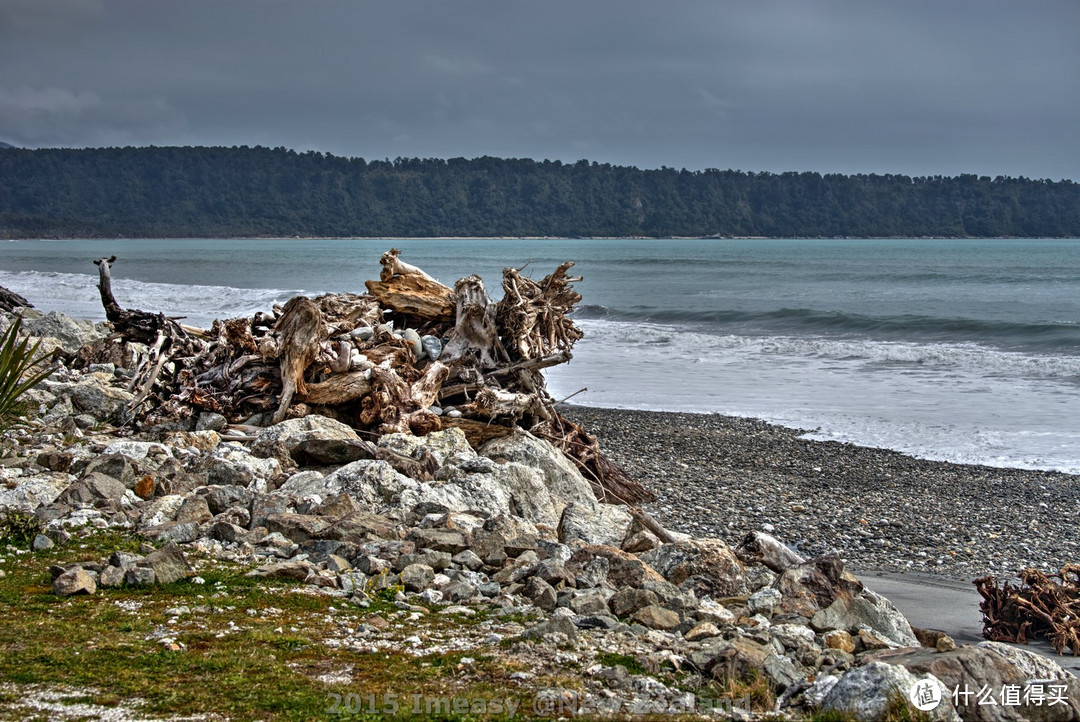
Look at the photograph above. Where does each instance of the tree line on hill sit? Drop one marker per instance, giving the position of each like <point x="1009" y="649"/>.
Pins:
<point x="242" y="191"/>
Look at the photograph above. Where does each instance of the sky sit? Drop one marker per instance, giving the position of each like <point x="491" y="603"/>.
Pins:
<point x="917" y="87"/>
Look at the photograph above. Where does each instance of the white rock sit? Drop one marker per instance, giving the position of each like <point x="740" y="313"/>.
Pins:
<point x="137" y="449"/>
<point x="161" y="510"/>
<point x="563" y="480"/>
<point x="30" y="492"/>
<point x="594" y="524"/>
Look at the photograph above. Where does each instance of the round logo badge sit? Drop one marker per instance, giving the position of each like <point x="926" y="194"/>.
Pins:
<point x="925" y="695"/>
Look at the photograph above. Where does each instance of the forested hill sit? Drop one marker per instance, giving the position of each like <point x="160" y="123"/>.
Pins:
<point x="180" y="192"/>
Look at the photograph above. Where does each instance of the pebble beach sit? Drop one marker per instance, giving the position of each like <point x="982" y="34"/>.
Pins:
<point x="722" y="476"/>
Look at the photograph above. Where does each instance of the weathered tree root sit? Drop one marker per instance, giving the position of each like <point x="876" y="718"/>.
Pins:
<point x="1039" y="606"/>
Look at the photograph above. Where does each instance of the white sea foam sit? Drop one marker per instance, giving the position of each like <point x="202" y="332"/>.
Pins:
<point x="960" y="403"/>
<point x="76" y="295"/>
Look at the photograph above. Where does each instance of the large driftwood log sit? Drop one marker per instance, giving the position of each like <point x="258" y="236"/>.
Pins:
<point x="400" y="407"/>
<point x="338" y="389"/>
<point x="300" y="333"/>
<point x="338" y="355"/>
<point x="408" y="290"/>
<point x="134" y="325"/>
<point x="475" y="337"/>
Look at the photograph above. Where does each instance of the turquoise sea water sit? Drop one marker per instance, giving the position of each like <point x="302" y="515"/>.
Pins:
<point x="966" y="350"/>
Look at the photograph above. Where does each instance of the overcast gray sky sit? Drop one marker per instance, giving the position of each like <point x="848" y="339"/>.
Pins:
<point x="919" y="87"/>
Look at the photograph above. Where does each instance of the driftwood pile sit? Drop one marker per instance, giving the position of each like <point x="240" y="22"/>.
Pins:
<point x="1043" y="605"/>
<point x="411" y="355"/>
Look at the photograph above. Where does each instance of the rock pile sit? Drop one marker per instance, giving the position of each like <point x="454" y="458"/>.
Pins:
<point x="511" y="528"/>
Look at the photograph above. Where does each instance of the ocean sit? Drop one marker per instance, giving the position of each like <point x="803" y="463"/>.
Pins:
<point x="956" y="350"/>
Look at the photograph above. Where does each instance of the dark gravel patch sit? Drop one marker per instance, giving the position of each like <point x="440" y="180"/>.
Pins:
<point x="722" y="476"/>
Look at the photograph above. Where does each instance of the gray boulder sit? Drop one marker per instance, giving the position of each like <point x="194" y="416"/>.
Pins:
<point x="169" y="564"/>
<point x="117" y="466"/>
<point x="706" y="566"/>
<point x="91" y="489"/>
<point x="284" y="441"/>
<point x="866" y="692"/>
<point x="74" y="581"/>
<point x="443" y="445"/>
<point x="139" y="450"/>
<point x="220" y="499"/>
<point x="868" y="610"/>
<point x="72" y="334"/>
<point x="95" y="394"/>
<point x="194" y="509"/>
<point x="417" y="577"/>
<point x="232" y="464"/>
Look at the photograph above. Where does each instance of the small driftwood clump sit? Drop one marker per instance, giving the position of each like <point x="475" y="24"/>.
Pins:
<point x="1043" y="605"/>
<point x="411" y="355"/>
<point x="10" y="301"/>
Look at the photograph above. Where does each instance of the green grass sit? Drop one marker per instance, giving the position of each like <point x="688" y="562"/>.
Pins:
<point x="97" y="647"/>
<point x="610" y="659"/>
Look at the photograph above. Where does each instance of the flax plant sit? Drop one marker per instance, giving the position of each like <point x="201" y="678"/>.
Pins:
<point x="20" y="370"/>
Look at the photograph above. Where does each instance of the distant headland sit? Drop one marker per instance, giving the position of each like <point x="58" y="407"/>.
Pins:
<point x="173" y="192"/>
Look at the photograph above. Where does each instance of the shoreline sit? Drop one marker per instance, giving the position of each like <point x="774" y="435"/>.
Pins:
<point x="882" y="510"/>
<point x="530" y="238"/>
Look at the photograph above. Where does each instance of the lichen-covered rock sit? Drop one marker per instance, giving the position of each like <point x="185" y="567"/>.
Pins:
<point x="656" y="617"/>
<point x="815" y="585"/>
<point x="540" y="593"/>
<point x="220" y="499"/>
<point x="72" y="334"/>
<point x="296" y="527"/>
<point x="416" y="577"/>
<point x="94" y="394"/>
<point x="138" y="450"/>
<point x="194" y="509"/>
<point x="161" y="510"/>
<point x="231" y="463"/>
<point x="93" y="488"/>
<point x="622" y="569"/>
<point x="359" y="527"/>
<point x="117" y="466"/>
<point x="443" y="445"/>
<point x="626" y="602"/>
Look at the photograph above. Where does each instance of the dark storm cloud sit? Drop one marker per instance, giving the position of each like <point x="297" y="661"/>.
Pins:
<point x="917" y="87"/>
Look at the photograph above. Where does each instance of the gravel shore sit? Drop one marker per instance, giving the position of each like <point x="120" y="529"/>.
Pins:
<point x="881" y="510"/>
